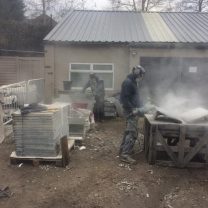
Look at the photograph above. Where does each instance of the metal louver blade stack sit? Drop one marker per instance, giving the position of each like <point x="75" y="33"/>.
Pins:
<point x="39" y="133"/>
<point x="109" y="109"/>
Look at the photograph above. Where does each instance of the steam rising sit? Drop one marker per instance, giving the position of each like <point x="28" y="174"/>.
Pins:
<point x="176" y="85"/>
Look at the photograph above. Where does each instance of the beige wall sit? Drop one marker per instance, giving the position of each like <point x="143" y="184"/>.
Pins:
<point x="63" y="56"/>
<point x="49" y="73"/>
<point x="58" y="58"/>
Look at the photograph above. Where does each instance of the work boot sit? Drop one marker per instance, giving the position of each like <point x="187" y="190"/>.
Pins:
<point x="132" y="152"/>
<point x="127" y="159"/>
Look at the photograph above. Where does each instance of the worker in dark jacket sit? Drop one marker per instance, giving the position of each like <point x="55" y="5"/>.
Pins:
<point x="98" y="91"/>
<point x="132" y="106"/>
<point x="99" y="101"/>
<point x="92" y="83"/>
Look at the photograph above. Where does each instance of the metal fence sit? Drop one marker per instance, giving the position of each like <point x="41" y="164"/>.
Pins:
<point x="12" y="97"/>
<point x="15" y="96"/>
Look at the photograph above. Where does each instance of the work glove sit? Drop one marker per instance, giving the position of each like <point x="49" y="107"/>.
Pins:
<point x="145" y="109"/>
<point x="135" y="111"/>
<point x="138" y="111"/>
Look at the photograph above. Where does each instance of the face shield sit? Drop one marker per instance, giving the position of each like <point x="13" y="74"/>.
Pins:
<point x="139" y="73"/>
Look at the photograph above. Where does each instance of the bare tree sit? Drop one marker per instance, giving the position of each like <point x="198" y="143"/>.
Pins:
<point x="136" y="5"/>
<point x="67" y="5"/>
<point x="56" y="8"/>
<point x="192" y="5"/>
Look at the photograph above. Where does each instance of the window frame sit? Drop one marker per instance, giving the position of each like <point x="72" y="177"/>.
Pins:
<point x="91" y="71"/>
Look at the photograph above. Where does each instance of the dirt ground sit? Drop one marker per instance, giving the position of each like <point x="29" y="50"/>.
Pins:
<point x="96" y="179"/>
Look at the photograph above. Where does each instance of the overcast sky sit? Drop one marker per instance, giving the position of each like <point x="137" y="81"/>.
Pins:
<point x="97" y="4"/>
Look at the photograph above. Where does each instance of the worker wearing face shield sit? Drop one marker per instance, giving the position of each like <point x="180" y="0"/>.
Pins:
<point x="132" y="108"/>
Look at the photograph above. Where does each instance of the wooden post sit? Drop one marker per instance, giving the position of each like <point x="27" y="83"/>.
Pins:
<point x="181" y="146"/>
<point x="151" y="158"/>
<point x="146" y="137"/>
<point x="206" y="153"/>
<point x="65" y="151"/>
<point x="1" y="123"/>
<point x="166" y="146"/>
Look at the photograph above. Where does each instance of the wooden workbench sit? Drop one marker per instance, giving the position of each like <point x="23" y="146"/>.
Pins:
<point x="189" y="150"/>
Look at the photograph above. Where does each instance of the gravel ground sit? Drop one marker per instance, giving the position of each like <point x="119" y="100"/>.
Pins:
<point x="96" y="178"/>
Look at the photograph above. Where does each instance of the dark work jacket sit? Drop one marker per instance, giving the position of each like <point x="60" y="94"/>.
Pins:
<point x="129" y="96"/>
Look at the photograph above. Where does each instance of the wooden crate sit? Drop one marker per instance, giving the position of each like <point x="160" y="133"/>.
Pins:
<point x="189" y="150"/>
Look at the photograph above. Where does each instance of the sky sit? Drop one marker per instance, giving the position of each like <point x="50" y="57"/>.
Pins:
<point x="31" y="11"/>
<point x="97" y="4"/>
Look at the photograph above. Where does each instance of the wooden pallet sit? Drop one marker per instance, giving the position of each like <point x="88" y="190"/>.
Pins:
<point x="61" y="160"/>
<point x="14" y="159"/>
<point x="158" y="150"/>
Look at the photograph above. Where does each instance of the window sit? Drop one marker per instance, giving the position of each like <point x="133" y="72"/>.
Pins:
<point x="79" y="74"/>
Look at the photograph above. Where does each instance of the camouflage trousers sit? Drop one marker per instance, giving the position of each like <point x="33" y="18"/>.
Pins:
<point x="130" y="134"/>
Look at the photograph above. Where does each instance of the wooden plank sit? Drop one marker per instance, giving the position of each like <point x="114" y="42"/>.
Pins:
<point x="14" y="155"/>
<point x="189" y="165"/>
<point x="151" y="160"/>
<point x="65" y="151"/>
<point x="160" y="148"/>
<point x="71" y="143"/>
<point x="203" y="141"/>
<point x="166" y="163"/>
<point x="167" y="148"/>
<point x="2" y="134"/>
<point x="181" y="146"/>
<point x="146" y="137"/>
<point x="154" y="141"/>
<point x="206" y="154"/>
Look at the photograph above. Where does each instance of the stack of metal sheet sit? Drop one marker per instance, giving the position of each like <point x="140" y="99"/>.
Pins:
<point x="39" y="133"/>
<point x="109" y="109"/>
<point x="77" y="122"/>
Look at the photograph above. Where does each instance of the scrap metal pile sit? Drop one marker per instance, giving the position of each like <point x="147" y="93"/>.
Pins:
<point x="109" y="109"/>
<point x="79" y="122"/>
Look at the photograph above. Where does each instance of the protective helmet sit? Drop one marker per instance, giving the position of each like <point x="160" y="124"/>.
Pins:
<point x="138" y="71"/>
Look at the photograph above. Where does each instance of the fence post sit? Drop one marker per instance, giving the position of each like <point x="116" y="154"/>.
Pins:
<point x="1" y="122"/>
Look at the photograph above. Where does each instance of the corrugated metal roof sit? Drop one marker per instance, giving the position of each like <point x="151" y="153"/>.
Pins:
<point x="157" y="28"/>
<point x="131" y="27"/>
<point x="188" y="27"/>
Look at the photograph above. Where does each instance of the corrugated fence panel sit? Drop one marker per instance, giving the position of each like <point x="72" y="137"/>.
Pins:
<point x="16" y="69"/>
<point x="30" y="68"/>
<point x="8" y="70"/>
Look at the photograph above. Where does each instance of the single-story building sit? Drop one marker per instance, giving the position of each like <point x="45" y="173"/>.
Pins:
<point x="172" y="47"/>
